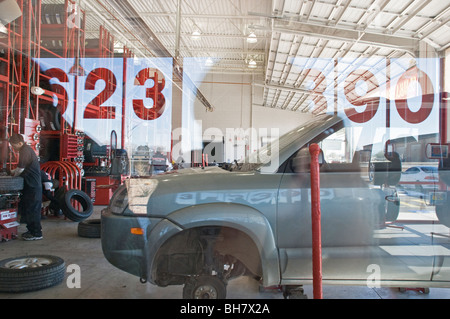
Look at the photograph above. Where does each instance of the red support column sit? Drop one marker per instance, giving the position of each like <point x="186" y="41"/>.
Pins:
<point x="314" y="150"/>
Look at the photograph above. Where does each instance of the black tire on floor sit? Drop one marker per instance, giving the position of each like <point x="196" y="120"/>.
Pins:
<point x="11" y="183"/>
<point x="90" y="228"/>
<point x="30" y="273"/>
<point x="204" y="287"/>
<point x="73" y="213"/>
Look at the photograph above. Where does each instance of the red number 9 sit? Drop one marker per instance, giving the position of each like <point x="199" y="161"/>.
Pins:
<point x="371" y="106"/>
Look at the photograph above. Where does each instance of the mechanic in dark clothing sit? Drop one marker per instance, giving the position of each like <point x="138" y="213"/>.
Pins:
<point x="31" y="201"/>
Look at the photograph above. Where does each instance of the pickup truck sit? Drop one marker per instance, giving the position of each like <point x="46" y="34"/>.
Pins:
<point x="202" y="227"/>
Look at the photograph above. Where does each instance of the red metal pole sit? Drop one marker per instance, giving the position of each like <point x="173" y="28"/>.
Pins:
<point x="314" y="150"/>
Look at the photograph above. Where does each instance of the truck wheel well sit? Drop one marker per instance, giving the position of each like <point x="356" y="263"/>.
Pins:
<point x="226" y="251"/>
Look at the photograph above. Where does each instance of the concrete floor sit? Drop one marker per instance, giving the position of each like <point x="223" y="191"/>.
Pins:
<point x="101" y="280"/>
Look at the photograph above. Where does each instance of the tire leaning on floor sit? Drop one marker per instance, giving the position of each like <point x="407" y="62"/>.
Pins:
<point x="90" y="228"/>
<point x="70" y="211"/>
<point x="30" y="273"/>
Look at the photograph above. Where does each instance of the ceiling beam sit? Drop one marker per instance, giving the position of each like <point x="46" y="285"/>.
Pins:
<point x="198" y="16"/>
<point x="287" y="88"/>
<point x="410" y="45"/>
<point x="334" y="33"/>
<point x="211" y="35"/>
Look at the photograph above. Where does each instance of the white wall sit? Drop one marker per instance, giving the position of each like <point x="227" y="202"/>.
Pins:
<point x="237" y="105"/>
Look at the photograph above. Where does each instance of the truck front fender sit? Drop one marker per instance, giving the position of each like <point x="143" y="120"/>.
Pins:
<point x="236" y="216"/>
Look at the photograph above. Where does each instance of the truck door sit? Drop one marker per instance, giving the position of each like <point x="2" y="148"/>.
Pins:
<point x="355" y="238"/>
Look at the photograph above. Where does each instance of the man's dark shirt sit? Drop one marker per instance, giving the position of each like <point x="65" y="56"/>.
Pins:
<point x="32" y="171"/>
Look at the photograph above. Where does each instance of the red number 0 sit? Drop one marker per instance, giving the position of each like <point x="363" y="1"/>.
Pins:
<point x="402" y="104"/>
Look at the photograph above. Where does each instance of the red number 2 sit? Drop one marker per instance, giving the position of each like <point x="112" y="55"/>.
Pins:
<point x="94" y="109"/>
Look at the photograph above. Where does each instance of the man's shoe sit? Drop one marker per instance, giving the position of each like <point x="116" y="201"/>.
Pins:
<point x="30" y="236"/>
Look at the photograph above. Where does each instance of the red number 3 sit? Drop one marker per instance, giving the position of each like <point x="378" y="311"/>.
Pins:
<point x="159" y="101"/>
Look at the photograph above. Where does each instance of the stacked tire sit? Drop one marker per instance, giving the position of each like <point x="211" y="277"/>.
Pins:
<point x="90" y="228"/>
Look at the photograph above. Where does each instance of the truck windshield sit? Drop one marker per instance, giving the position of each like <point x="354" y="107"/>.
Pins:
<point x="268" y="153"/>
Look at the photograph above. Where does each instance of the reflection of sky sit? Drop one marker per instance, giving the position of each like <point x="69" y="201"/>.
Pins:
<point x="336" y="78"/>
<point x="195" y="69"/>
<point x="65" y="65"/>
<point x="430" y="67"/>
<point x="157" y="133"/>
<point x="100" y="129"/>
<point x="152" y="133"/>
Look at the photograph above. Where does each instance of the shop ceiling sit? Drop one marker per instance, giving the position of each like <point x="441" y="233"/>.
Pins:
<point x="262" y="37"/>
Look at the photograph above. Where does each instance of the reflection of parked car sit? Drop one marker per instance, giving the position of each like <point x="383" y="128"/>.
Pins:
<point x="202" y="227"/>
<point x="420" y="178"/>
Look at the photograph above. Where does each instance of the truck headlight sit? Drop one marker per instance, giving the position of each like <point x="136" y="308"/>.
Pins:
<point x="135" y="194"/>
<point x="119" y="200"/>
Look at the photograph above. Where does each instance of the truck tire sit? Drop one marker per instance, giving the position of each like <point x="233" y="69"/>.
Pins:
<point x="11" y="183"/>
<point x="204" y="287"/>
<point x="90" y="228"/>
<point x="71" y="212"/>
<point x="29" y="273"/>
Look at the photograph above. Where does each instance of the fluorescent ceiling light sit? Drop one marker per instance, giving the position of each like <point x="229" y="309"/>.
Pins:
<point x="195" y="35"/>
<point x="252" y="38"/>
<point x="209" y="62"/>
<point x="252" y="64"/>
